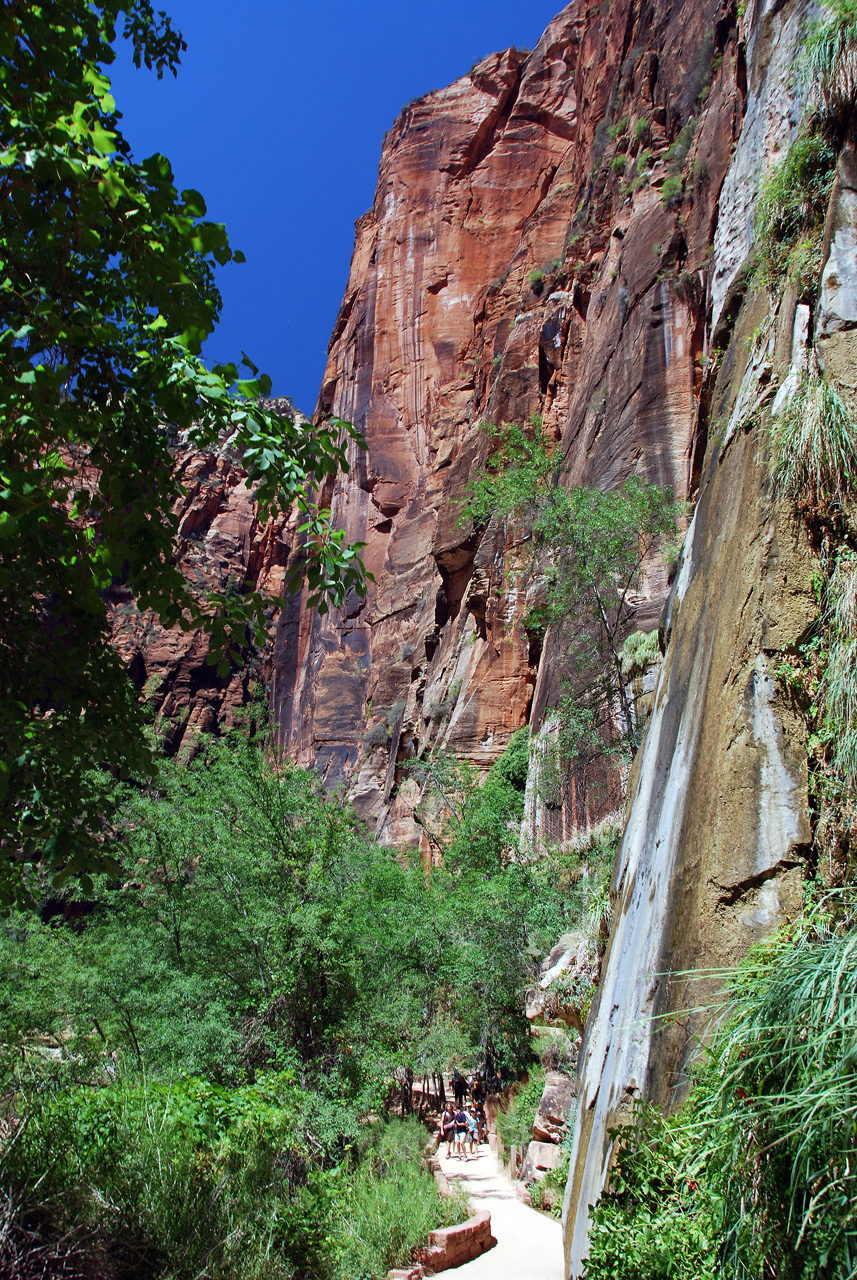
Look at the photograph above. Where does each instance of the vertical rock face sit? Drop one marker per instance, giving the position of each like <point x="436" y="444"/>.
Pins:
<point x="718" y="823"/>
<point x="519" y="258"/>
<point x="221" y="545"/>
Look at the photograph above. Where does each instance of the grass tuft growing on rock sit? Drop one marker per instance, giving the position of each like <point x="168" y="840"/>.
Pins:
<point x="830" y="59"/>
<point x="814" y="440"/>
<point x="790" y="214"/>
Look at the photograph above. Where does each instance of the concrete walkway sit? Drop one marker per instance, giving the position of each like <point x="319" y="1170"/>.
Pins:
<point x="529" y="1244"/>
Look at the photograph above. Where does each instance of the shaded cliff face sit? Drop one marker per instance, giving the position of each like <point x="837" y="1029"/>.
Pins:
<point x="718" y="824"/>
<point x="520" y="258"/>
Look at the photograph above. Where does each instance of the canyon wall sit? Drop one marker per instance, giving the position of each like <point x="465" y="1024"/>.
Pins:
<point x="520" y="258"/>
<point x="563" y="233"/>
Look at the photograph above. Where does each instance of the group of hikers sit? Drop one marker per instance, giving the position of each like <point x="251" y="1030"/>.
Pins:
<point x="463" y="1124"/>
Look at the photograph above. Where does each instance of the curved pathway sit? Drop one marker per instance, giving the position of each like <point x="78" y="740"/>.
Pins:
<point x="529" y="1244"/>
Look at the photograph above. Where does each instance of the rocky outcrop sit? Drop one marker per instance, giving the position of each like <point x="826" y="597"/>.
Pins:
<point x="221" y="546"/>
<point x="520" y="258"/>
<point x="555" y="1108"/>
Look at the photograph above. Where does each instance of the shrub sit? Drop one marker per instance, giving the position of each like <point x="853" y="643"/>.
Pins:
<point x="182" y="1180"/>
<point x="641" y="129"/>
<point x="814" y="446"/>
<point x="536" y="276"/>
<point x="654" y="1221"/>
<point x="672" y="188"/>
<point x="377" y="735"/>
<point x="515" y="1120"/>
<point x="618" y="163"/>
<point x="616" y="130"/>
<point x="791" y="210"/>
<point x="389" y="1203"/>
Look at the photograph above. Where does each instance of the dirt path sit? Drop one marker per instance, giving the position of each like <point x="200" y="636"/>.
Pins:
<point x="529" y="1244"/>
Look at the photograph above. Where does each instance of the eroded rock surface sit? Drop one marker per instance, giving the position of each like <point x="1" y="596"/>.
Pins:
<point x="519" y="258"/>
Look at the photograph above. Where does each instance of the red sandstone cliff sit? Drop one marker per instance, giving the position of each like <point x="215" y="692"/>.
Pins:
<point x="512" y="264"/>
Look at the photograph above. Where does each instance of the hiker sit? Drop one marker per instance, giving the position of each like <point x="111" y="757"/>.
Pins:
<point x="473" y="1131"/>
<point x="460" y="1133"/>
<point x="483" y="1123"/>
<point x="447" y="1128"/>
<point x="458" y="1088"/>
<point x="478" y="1089"/>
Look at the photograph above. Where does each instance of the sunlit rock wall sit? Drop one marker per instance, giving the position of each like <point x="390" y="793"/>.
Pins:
<point x="515" y="169"/>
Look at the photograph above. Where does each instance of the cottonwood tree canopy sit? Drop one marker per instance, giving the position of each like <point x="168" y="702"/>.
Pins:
<point x="107" y="293"/>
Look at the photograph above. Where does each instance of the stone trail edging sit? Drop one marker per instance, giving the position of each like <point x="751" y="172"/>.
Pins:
<point x="449" y="1247"/>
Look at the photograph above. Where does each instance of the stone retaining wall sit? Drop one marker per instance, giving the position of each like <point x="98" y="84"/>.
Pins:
<point x="449" y="1247"/>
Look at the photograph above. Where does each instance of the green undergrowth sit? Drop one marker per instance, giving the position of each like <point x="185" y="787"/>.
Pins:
<point x="755" y="1176"/>
<point x="189" y="1179"/>
<point x="205" y="1036"/>
<point x="515" y="1119"/>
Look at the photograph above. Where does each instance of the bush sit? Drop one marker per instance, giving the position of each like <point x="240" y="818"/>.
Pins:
<point x="181" y="1180"/>
<point x="390" y="1203"/>
<point x="672" y="188"/>
<point x="377" y="735"/>
<point x="618" y="163"/>
<point x="654" y="1221"/>
<point x="790" y="213"/>
<point x="756" y="1176"/>
<point x="515" y="1120"/>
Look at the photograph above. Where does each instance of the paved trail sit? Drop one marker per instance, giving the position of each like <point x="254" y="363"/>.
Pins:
<point x="529" y="1244"/>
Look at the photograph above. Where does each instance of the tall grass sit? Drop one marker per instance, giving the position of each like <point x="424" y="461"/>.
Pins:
<point x="194" y="1182"/>
<point x="756" y="1176"/>
<point x="829" y="62"/>
<point x="790" y="213"/>
<point x="839" y="685"/>
<point x="782" y="1141"/>
<point x="391" y="1204"/>
<point x="814" y="443"/>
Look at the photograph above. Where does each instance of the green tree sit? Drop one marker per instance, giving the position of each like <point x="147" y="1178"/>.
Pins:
<point x="106" y="294"/>
<point x="591" y="546"/>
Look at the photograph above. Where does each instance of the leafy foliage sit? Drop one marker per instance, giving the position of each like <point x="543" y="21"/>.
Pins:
<point x="656" y="1220"/>
<point x="106" y="296"/>
<point x="592" y="549"/>
<point x="188" y="1178"/>
<point x="754" y="1177"/>
<point x="515" y="1120"/>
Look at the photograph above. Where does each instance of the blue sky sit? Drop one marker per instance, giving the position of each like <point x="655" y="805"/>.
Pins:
<point x="277" y="117"/>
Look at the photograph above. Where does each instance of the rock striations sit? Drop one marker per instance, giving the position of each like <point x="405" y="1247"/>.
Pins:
<point x="520" y="258"/>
